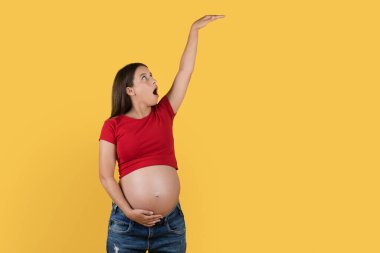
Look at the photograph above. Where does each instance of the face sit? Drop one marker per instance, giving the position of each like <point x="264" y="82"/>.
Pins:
<point x="144" y="86"/>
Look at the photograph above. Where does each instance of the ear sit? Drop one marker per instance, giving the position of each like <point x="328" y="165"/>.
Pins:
<point x="130" y="91"/>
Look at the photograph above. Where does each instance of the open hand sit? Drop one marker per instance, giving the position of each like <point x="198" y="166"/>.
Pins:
<point x="144" y="217"/>
<point x="205" y="20"/>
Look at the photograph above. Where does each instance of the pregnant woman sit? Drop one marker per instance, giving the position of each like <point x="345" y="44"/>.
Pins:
<point x="146" y="213"/>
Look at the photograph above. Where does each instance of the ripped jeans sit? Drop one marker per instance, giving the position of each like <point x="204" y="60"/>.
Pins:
<point x="128" y="236"/>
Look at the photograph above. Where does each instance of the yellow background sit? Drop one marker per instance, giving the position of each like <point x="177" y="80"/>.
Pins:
<point x="277" y="140"/>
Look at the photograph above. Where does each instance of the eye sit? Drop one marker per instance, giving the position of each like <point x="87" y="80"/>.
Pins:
<point x="145" y="76"/>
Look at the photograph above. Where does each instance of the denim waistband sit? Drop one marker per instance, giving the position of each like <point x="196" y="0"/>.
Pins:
<point x="172" y="211"/>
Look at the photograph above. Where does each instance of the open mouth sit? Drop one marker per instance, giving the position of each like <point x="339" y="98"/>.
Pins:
<point x="155" y="92"/>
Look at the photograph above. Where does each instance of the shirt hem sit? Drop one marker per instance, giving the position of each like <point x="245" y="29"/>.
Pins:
<point x="124" y="171"/>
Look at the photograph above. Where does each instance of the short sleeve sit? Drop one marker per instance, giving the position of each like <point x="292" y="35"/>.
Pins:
<point x="165" y="105"/>
<point x="108" y="131"/>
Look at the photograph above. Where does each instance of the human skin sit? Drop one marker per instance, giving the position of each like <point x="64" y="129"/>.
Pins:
<point x="163" y="181"/>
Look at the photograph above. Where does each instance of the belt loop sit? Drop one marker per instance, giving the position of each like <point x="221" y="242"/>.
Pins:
<point x="114" y="206"/>
<point x="180" y="208"/>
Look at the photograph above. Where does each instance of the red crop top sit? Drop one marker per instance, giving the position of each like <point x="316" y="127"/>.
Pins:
<point x="142" y="142"/>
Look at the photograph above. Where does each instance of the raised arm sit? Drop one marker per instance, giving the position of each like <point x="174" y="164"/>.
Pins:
<point x="178" y="89"/>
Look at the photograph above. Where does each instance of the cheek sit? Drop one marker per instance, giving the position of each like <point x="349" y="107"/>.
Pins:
<point x="139" y="87"/>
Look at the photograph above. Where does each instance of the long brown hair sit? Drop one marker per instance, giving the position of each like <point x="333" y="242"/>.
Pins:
<point x="121" y="101"/>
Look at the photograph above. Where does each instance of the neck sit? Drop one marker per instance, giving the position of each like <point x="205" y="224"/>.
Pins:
<point x="139" y="114"/>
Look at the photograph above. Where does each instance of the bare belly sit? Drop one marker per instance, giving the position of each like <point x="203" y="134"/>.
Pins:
<point x="154" y="188"/>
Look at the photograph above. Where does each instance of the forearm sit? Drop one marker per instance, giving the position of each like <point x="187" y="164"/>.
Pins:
<point x="114" y="191"/>
<point x="188" y="57"/>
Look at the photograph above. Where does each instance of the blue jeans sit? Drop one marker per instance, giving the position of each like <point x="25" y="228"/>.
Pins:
<point x="128" y="236"/>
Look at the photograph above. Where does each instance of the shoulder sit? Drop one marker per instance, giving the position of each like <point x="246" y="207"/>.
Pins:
<point x="165" y="105"/>
<point x="113" y="122"/>
<point x="114" y="119"/>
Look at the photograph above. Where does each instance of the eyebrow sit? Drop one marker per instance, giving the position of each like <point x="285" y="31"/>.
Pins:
<point x="145" y="73"/>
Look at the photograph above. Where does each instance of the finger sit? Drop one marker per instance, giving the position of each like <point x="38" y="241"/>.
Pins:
<point x="218" y="16"/>
<point x="148" y="217"/>
<point x="145" y="223"/>
<point x="153" y="219"/>
<point x="151" y="224"/>
<point x="211" y="16"/>
<point x="155" y="216"/>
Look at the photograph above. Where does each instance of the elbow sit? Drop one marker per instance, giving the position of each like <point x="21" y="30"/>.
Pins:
<point x="104" y="179"/>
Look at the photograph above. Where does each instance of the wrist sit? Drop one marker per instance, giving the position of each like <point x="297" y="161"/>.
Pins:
<point x="127" y="212"/>
<point x="193" y="29"/>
